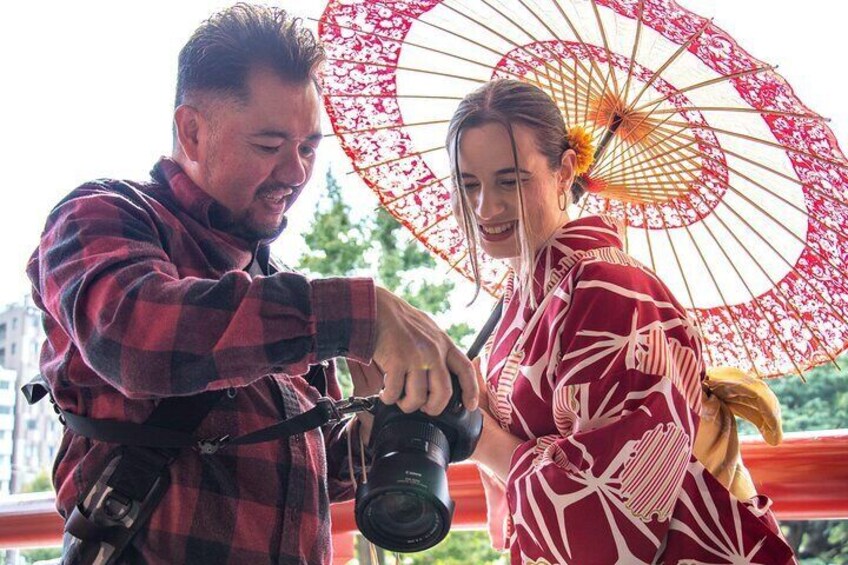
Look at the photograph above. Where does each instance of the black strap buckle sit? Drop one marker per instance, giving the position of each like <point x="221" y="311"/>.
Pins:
<point x="355" y="404"/>
<point x="212" y="445"/>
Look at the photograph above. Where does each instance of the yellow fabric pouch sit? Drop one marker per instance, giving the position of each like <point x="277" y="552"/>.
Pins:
<point x="729" y="392"/>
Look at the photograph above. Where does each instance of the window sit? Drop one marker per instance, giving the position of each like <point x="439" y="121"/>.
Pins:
<point x="2" y="356"/>
<point x="2" y="332"/>
<point x="12" y="349"/>
<point x="31" y="424"/>
<point x="14" y="323"/>
<point x="5" y="385"/>
<point x="5" y="409"/>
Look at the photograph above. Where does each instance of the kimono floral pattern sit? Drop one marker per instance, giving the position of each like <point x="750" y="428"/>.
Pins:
<point x="602" y="379"/>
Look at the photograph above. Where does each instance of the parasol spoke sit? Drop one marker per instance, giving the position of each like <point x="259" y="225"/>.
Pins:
<point x="439" y="220"/>
<point x="656" y="74"/>
<point x="593" y="66"/>
<point x="775" y="144"/>
<point x="739" y="275"/>
<point x="410" y="43"/>
<point x="545" y="63"/>
<point x="758" y="264"/>
<point x="399" y="126"/>
<point x="399" y="158"/>
<point x="750" y="293"/>
<point x="413" y="96"/>
<point x="409" y="69"/>
<point x="703" y="84"/>
<point x="630" y="67"/>
<point x="395" y="10"/>
<point x="742" y="110"/>
<point x="418" y="188"/>
<point x="544" y="45"/>
<point x="606" y="49"/>
<point x="717" y="287"/>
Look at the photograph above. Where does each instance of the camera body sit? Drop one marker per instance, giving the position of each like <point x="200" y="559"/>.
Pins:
<point x="405" y="504"/>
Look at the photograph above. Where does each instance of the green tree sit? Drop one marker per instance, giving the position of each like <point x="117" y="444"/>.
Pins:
<point x="336" y="244"/>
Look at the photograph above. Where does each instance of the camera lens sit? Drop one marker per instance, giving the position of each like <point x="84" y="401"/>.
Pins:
<point x="405" y="515"/>
<point x="405" y="505"/>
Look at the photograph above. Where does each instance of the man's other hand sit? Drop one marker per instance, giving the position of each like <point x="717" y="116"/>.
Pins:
<point x="418" y="357"/>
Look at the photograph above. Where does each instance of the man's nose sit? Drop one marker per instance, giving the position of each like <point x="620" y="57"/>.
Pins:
<point x="290" y="170"/>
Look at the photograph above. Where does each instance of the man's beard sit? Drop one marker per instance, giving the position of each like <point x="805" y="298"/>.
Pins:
<point x="244" y="228"/>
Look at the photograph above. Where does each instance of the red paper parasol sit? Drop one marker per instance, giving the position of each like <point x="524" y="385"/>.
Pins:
<point x="731" y="189"/>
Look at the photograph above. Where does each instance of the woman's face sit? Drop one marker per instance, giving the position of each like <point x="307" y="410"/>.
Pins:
<point x="490" y="180"/>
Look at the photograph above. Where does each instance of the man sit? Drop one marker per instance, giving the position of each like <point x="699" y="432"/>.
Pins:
<point x="161" y="289"/>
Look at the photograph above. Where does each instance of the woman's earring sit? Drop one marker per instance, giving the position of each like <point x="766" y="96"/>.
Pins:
<point x="562" y="200"/>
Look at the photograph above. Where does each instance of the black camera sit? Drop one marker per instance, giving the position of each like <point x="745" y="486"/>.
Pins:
<point x="405" y="505"/>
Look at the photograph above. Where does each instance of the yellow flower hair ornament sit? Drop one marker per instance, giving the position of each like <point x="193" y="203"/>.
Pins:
<point x="580" y="141"/>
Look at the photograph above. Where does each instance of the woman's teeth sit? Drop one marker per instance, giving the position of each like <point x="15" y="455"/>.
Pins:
<point x="494" y="230"/>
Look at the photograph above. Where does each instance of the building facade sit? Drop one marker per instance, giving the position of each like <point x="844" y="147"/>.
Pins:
<point x="37" y="430"/>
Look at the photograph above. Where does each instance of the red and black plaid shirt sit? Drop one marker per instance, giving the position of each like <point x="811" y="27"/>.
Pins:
<point x="146" y="297"/>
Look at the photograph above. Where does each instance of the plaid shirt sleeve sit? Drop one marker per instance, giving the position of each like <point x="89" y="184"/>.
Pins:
<point x="107" y="278"/>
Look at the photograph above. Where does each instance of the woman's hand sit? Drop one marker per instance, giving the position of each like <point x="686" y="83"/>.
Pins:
<point x="495" y="447"/>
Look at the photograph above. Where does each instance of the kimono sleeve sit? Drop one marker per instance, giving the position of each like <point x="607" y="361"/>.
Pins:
<point x="626" y="389"/>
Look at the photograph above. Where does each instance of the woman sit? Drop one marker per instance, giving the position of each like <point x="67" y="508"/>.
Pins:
<point x="594" y="372"/>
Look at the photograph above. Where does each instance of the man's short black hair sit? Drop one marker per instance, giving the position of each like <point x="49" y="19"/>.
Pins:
<point x="226" y="47"/>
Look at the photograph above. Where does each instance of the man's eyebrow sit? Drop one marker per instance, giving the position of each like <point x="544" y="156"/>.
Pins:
<point x="313" y="137"/>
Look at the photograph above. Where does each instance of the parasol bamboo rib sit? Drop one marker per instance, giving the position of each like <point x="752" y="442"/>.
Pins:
<point x="760" y="185"/>
<point x="417" y="189"/>
<point x="704" y="84"/>
<point x="387" y="126"/>
<point x="394" y="10"/>
<point x="400" y="158"/>
<point x="514" y="44"/>
<point x="535" y="40"/>
<point x="593" y="65"/>
<point x="736" y="271"/>
<point x="410" y="69"/>
<point x="720" y="293"/>
<point x="774" y="284"/>
<point x="683" y="47"/>
<point x="774" y="144"/>
<point x="765" y="273"/>
<point x="606" y="48"/>
<point x="639" y="16"/>
<point x="738" y="109"/>
<point x="415" y="96"/>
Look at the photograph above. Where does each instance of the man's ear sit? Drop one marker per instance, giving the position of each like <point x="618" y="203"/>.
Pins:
<point x="188" y="122"/>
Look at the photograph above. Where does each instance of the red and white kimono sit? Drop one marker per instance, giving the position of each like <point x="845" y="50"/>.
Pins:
<point x="603" y="380"/>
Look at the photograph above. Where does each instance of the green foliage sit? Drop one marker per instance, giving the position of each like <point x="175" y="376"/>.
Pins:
<point x="41" y="483"/>
<point x="41" y="554"/>
<point x="336" y="244"/>
<point x="458" y="548"/>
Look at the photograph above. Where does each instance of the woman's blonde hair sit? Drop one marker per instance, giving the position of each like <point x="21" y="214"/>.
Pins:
<point x="507" y="102"/>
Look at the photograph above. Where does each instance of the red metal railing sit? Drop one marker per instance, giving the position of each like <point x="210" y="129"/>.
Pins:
<point x="806" y="476"/>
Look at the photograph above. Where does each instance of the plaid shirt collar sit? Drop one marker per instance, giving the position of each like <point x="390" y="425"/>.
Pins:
<point x="191" y="197"/>
<point x="205" y="209"/>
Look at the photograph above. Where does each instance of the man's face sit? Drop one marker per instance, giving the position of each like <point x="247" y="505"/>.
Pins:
<point x="256" y="157"/>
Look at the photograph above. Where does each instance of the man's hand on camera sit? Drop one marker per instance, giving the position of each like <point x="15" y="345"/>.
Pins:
<point x="417" y="358"/>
